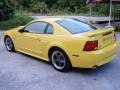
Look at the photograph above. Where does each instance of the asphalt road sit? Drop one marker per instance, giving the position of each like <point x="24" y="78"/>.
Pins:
<point x="22" y="72"/>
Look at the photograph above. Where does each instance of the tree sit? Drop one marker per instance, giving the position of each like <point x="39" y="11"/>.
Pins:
<point x="6" y="9"/>
<point x="38" y="7"/>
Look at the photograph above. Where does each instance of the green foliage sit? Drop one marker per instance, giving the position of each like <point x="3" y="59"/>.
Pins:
<point x="8" y="4"/>
<point x="117" y="29"/>
<point x="40" y="7"/>
<point x="15" y="22"/>
<point x="58" y="7"/>
<point x="116" y="11"/>
<point x="100" y="9"/>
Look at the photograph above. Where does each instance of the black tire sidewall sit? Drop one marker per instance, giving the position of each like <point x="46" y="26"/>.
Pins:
<point x="68" y="65"/>
<point x="13" y="48"/>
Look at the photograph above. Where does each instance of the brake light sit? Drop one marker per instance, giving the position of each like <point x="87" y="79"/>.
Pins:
<point x="91" y="45"/>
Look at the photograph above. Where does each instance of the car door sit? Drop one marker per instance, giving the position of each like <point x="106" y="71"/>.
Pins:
<point x="47" y="37"/>
<point x="29" y="40"/>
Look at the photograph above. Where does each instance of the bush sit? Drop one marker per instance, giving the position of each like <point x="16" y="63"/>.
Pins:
<point x="15" y="22"/>
<point x="6" y="14"/>
<point x="39" y="7"/>
<point x="117" y="29"/>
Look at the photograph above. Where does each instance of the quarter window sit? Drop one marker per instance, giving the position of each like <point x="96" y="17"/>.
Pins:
<point x="49" y="29"/>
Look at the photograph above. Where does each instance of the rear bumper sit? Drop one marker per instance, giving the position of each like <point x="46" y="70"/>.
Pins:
<point x="95" y="58"/>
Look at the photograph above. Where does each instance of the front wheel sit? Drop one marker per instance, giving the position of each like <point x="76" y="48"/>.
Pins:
<point x="60" y="60"/>
<point x="9" y="44"/>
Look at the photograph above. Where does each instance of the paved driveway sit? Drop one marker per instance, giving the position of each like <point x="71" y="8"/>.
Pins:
<point x="22" y="72"/>
<point x="82" y="18"/>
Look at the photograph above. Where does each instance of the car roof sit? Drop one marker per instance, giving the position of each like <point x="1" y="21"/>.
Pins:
<point x="50" y="19"/>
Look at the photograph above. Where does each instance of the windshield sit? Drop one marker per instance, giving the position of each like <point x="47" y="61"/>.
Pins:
<point x="75" y="26"/>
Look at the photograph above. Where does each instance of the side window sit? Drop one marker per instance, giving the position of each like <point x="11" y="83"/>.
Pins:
<point x="36" y="27"/>
<point x="49" y="29"/>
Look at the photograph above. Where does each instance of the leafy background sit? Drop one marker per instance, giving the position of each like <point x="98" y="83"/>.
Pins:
<point x="58" y="7"/>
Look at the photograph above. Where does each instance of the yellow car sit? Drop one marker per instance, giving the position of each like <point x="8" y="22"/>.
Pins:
<point x="64" y="42"/>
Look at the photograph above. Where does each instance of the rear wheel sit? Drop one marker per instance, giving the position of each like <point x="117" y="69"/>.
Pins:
<point x="9" y="44"/>
<point x="60" y="60"/>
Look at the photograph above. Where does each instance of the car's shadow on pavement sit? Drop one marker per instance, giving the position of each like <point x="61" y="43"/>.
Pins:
<point x="98" y="70"/>
<point x="32" y="57"/>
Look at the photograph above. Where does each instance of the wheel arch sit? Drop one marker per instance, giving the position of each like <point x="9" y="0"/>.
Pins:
<point x="58" y="45"/>
<point x="53" y="48"/>
<point x="6" y="36"/>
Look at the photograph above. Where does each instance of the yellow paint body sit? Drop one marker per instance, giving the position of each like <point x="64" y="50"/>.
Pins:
<point x="38" y="45"/>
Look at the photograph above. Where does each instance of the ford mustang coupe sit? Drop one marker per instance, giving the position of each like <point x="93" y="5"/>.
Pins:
<point x="63" y="42"/>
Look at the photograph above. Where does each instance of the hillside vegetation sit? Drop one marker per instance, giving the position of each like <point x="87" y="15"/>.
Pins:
<point x="58" y="7"/>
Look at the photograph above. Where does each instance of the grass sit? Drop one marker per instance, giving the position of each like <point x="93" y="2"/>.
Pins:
<point x="15" y="22"/>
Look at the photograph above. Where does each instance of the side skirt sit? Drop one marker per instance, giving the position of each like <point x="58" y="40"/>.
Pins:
<point x="33" y="55"/>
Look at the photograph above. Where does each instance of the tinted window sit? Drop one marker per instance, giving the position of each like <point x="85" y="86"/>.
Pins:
<point x="75" y="26"/>
<point x="49" y="29"/>
<point x="36" y="27"/>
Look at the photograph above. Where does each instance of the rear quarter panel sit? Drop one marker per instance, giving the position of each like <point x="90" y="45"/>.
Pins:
<point x="71" y="44"/>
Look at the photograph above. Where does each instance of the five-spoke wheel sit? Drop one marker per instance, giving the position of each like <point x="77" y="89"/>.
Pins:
<point x="9" y="44"/>
<point x="60" y="60"/>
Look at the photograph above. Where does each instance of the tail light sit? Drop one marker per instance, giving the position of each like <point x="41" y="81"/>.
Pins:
<point x="91" y="45"/>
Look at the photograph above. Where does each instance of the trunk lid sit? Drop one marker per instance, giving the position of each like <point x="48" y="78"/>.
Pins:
<point x="105" y="37"/>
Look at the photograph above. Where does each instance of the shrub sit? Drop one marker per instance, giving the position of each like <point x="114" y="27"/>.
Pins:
<point x="15" y="22"/>
<point x="39" y="7"/>
<point x="117" y="29"/>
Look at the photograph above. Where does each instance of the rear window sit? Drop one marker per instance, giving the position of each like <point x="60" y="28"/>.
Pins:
<point x="75" y="26"/>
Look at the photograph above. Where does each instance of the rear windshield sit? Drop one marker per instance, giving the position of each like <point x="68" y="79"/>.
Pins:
<point x="75" y="26"/>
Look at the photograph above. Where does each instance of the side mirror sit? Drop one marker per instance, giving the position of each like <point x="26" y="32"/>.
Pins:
<point x="21" y="30"/>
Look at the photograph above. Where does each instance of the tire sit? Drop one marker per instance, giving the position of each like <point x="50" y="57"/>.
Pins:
<point x="9" y="44"/>
<point x="60" y="60"/>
